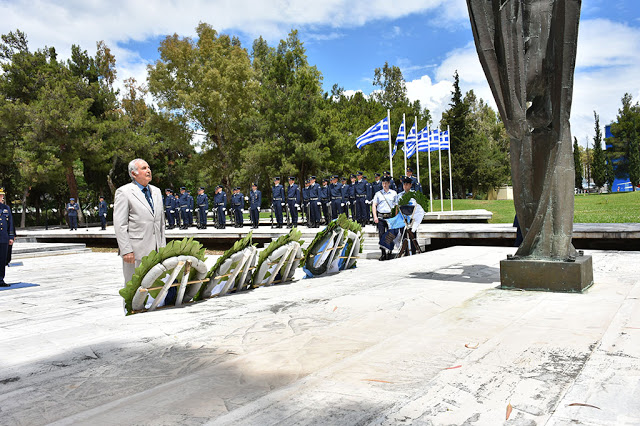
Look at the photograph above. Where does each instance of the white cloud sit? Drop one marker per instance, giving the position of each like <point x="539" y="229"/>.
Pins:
<point x="607" y="66"/>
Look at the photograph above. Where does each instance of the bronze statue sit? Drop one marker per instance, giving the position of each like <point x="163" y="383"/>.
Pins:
<point x="527" y="49"/>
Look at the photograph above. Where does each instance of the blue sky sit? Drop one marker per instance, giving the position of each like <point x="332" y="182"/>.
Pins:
<point x="346" y="40"/>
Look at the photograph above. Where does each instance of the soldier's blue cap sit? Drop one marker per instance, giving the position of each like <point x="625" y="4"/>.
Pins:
<point x="219" y="186"/>
<point x="168" y="190"/>
<point x="325" y="180"/>
<point x="409" y="169"/>
<point x="352" y="175"/>
<point x="377" y="174"/>
<point x="182" y="187"/>
<point x="359" y="173"/>
<point x="102" y="196"/>
<point x="72" y="199"/>
<point x="343" y="178"/>
<point x="387" y="173"/>
<point x="311" y="177"/>
<point x="386" y="179"/>
<point x="202" y="188"/>
<point x="292" y="178"/>
<point x="254" y="184"/>
<point x="237" y="188"/>
<point x="334" y="177"/>
<point x="276" y="178"/>
<point x="406" y="180"/>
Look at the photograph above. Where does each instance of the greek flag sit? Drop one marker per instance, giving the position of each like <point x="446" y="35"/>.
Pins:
<point x="376" y="133"/>
<point x="399" y="138"/>
<point x="423" y="140"/>
<point x="444" y="140"/>
<point x="434" y="140"/>
<point x="410" y="144"/>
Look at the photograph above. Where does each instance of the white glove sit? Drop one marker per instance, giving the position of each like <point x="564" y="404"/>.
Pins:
<point x="246" y="198"/>
<point x="296" y="205"/>
<point x="95" y="208"/>
<point x="172" y="211"/>
<point x="105" y="215"/>
<point x="282" y="204"/>
<point x="224" y="209"/>
<point x="367" y="202"/>
<point x="342" y="204"/>
<point x="258" y="208"/>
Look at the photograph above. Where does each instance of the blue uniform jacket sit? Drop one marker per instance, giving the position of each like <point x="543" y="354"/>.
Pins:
<point x="277" y="194"/>
<point x="293" y="193"/>
<point x="72" y="209"/>
<point x="6" y="224"/>
<point x="220" y="199"/>
<point x="314" y="191"/>
<point x="324" y="193"/>
<point x="102" y="208"/>
<point x="203" y="201"/>
<point x="237" y="200"/>
<point x="183" y="201"/>
<point x="255" y="199"/>
<point x="335" y="191"/>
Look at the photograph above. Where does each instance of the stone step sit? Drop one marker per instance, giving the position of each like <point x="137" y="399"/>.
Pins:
<point x="23" y="250"/>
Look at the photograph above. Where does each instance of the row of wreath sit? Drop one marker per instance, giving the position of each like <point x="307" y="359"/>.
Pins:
<point x="178" y="271"/>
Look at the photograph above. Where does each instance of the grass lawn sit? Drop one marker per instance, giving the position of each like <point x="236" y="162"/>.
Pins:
<point x="619" y="207"/>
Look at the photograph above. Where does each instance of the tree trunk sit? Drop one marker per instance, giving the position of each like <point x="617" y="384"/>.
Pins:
<point x="37" y="206"/>
<point x="112" y="187"/>
<point x="23" y="218"/>
<point x="73" y="190"/>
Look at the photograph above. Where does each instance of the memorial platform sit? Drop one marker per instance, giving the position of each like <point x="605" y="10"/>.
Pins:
<point x="427" y="339"/>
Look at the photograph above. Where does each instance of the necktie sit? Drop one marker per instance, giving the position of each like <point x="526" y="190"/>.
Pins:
<point x="147" y="195"/>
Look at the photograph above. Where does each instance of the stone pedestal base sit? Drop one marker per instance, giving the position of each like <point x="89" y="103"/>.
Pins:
<point x="544" y="275"/>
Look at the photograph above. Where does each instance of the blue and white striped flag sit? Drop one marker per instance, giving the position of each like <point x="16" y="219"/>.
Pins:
<point x="376" y="133"/>
<point x="444" y="140"/>
<point x="399" y="138"/>
<point x="434" y="140"/>
<point x="423" y="140"/>
<point x="410" y="144"/>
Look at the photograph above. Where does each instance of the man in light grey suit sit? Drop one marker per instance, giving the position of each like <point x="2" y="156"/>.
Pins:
<point x="138" y="217"/>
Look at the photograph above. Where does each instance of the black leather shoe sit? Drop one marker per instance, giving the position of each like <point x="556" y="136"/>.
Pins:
<point x="3" y="284"/>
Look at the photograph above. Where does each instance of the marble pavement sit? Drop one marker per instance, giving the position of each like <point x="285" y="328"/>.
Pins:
<point x="421" y="340"/>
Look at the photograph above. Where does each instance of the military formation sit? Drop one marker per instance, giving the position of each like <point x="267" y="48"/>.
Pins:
<point x="312" y="204"/>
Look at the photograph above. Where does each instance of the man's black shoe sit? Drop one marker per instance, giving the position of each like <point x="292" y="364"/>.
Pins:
<point x="3" y="284"/>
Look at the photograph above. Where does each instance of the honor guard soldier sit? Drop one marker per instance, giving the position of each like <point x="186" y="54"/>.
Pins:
<point x="314" y="202"/>
<point x="305" y="202"/>
<point x="345" y="196"/>
<point x="72" y="213"/>
<point x="335" y="197"/>
<point x="7" y="235"/>
<point x="277" y="200"/>
<point x="255" y="199"/>
<point x="383" y="203"/>
<point x="415" y="185"/>
<point x="102" y="213"/>
<point x="190" y="205"/>
<point x="176" y="208"/>
<point x="361" y="190"/>
<point x="392" y="183"/>
<point x="237" y="204"/>
<point x="352" y="197"/>
<point x="293" y="200"/>
<point x="326" y="203"/>
<point x="220" y="203"/>
<point x="184" y="205"/>
<point x="376" y="185"/>
<point x="203" y="208"/>
<point x="407" y="186"/>
<point x="169" y="208"/>
<point x="367" y="211"/>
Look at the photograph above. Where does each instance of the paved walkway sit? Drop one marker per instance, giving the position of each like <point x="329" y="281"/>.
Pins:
<point x="421" y="340"/>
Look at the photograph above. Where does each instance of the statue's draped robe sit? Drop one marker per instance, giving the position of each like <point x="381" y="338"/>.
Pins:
<point x="527" y="49"/>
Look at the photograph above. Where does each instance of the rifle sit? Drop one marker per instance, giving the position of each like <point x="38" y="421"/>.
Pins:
<point x="286" y="210"/>
<point x="271" y="214"/>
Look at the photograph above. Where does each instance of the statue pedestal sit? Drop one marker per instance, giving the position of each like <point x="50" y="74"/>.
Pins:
<point x="546" y="275"/>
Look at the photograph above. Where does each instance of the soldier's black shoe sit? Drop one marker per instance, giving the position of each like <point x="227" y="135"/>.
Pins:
<point x="3" y="284"/>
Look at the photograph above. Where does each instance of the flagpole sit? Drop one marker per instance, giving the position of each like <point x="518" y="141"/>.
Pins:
<point x="429" y="155"/>
<point x="440" y="163"/>
<point x="404" y="143"/>
<point x="450" y="173"/>
<point x="390" y="151"/>
<point x="417" y="150"/>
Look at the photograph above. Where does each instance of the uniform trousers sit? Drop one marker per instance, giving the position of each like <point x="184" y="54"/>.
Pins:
<point x="293" y="211"/>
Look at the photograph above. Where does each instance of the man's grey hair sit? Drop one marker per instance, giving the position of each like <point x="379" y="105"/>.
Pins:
<point x="133" y="166"/>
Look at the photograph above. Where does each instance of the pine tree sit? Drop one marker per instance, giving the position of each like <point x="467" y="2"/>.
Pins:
<point x="610" y="173"/>
<point x="598" y="165"/>
<point x="577" y="163"/>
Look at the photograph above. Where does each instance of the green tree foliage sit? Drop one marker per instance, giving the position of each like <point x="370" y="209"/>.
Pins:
<point x="610" y="175"/>
<point x="598" y="163"/>
<point x="577" y="163"/>
<point x="210" y="82"/>
<point x="626" y="131"/>
<point x="479" y="144"/>
<point x="634" y="162"/>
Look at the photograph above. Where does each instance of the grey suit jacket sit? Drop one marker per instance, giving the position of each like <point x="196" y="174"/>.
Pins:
<point x="138" y="229"/>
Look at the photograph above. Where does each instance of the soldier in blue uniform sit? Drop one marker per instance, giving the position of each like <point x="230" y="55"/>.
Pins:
<point x="324" y="199"/>
<point x="220" y="203"/>
<point x="277" y="200"/>
<point x="72" y="213"/>
<point x="360" y="191"/>
<point x="183" y="201"/>
<point x="335" y="197"/>
<point x="7" y="236"/>
<point x="305" y="202"/>
<point x="376" y="185"/>
<point x="190" y="206"/>
<point x="237" y="204"/>
<point x="255" y="199"/>
<point x="345" y="196"/>
<point x="415" y="185"/>
<point x="351" y="194"/>
<point x="176" y="208"/>
<point x="392" y="182"/>
<point x="102" y="213"/>
<point x="293" y="200"/>
<point x="369" y="197"/>
<point x="169" y="208"/>
<point x="314" y="202"/>
<point x="203" y="208"/>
